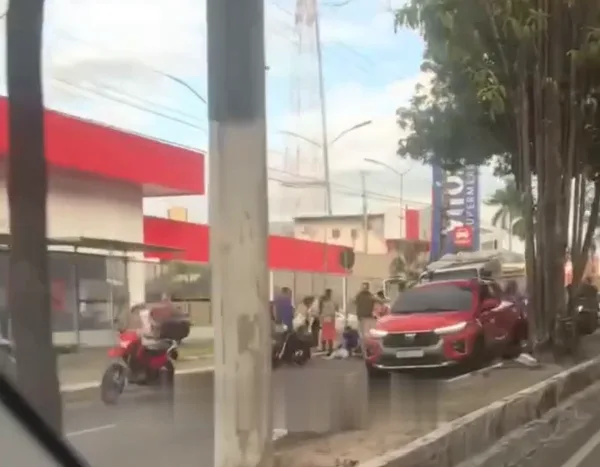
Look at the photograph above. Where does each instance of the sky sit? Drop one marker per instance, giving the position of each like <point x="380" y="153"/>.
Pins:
<point x="113" y="61"/>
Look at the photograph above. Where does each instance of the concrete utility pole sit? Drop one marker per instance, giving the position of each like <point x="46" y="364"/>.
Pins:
<point x="238" y="214"/>
<point x="28" y="275"/>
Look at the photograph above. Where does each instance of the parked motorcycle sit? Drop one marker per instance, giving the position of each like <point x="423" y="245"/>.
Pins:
<point x="587" y="318"/>
<point x="290" y="346"/>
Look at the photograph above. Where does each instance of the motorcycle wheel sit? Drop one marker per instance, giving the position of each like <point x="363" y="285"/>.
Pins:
<point x="167" y="374"/>
<point x="113" y="383"/>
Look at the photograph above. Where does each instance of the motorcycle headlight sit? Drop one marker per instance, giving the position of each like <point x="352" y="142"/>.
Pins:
<point x="378" y="333"/>
<point x="451" y="329"/>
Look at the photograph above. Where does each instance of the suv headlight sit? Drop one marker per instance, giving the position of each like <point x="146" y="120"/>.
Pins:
<point x="378" y="333"/>
<point x="451" y="329"/>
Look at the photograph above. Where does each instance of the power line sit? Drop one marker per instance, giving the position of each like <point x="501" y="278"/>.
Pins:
<point x="97" y="93"/>
<point x="120" y="92"/>
<point x="337" y="187"/>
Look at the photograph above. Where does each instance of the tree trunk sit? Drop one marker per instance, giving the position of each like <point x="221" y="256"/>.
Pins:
<point x="28" y="292"/>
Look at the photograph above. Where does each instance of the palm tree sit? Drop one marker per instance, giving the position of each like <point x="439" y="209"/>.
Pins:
<point x="409" y="263"/>
<point x="509" y="213"/>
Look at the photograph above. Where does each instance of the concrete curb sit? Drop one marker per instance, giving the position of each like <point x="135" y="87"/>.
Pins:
<point x="468" y="436"/>
<point x="91" y="390"/>
<point x="548" y="441"/>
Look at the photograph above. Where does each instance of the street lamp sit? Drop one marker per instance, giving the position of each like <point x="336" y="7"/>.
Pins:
<point x="325" y="148"/>
<point x="182" y="82"/>
<point x="338" y="137"/>
<point x="400" y="175"/>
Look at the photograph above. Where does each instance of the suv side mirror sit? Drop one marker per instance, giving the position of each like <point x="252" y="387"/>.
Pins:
<point x="489" y="304"/>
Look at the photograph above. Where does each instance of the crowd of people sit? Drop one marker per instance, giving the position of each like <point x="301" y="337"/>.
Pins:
<point x="316" y="316"/>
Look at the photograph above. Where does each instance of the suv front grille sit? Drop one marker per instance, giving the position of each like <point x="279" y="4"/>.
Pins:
<point x="416" y="339"/>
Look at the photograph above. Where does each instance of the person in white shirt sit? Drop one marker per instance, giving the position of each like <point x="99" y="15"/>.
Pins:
<point x="147" y="329"/>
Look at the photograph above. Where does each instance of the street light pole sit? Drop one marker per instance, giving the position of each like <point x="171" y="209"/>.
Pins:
<point x="339" y="136"/>
<point x="326" y="144"/>
<point x="401" y="177"/>
<point x="238" y="214"/>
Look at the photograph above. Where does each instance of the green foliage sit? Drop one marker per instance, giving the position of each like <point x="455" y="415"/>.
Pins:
<point x="475" y="52"/>
<point x="516" y="83"/>
<point x="509" y="214"/>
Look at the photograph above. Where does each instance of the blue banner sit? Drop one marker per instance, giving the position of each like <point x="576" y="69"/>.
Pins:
<point x="454" y="203"/>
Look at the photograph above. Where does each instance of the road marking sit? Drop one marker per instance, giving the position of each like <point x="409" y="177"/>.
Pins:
<point x="95" y="429"/>
<point x="474" y="373"/>
<point x="584" y="451"/>
<point x="96" y="384"/>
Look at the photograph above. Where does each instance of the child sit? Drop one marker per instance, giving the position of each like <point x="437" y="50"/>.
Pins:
<point x="349" y="346"/>
<point x="350" y="340"/>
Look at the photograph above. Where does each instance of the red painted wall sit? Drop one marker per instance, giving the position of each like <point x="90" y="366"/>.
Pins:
<point x="412" y="223"/>
<point x="284" y="252"/>
<point x="84" y="146"/>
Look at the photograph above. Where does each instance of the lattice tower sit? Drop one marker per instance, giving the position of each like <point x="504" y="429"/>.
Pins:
<point x="305" y="194"/>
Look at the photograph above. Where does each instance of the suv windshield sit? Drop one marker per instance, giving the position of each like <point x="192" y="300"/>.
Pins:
<point x="435" y="298"/>
<point x="452" y="274"/>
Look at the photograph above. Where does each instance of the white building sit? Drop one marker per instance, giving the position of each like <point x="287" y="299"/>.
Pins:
<point x="98" y="178"/>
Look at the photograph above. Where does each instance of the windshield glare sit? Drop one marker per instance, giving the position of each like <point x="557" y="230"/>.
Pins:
<point x="434" y="299"/>
<point x="456" y="274"/>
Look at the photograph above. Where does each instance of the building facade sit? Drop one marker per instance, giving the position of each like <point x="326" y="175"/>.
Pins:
<point x="101" y="246"/>
<point x="98" y="178"/>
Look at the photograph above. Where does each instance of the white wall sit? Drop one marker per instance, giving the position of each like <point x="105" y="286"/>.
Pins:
<point x="322" y="230"/>
<point x="83" y="206"/>
<point x="393" y="229"/>
<point x="80" y="205"/>
<point x="502" y="238"/>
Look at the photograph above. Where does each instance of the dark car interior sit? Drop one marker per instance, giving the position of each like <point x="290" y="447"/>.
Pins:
<point x="20" y="410"/>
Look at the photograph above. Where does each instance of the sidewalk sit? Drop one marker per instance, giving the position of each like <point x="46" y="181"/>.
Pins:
<point x="88" y="364"/>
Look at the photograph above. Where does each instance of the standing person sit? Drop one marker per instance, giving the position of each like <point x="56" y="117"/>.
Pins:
<point x="328" y="312"/>
<point x="365" y="304"/>
<point x="381" y="307"/>
<point x="284" y="309"/>
<point x="315" y="321"/>
<point x="304" y="313"/>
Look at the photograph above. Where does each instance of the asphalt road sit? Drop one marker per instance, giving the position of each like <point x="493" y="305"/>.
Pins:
<point x="588" y="454"/>
<point x="143" y="429"/>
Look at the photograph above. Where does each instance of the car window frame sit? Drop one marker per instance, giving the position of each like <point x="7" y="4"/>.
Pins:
<point x="436" y="285"/>
<point x="26" y="416"/>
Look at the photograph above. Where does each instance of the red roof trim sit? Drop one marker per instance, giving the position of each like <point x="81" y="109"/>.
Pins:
<point x="80" y="145"/>
<point x="284" y="252"/>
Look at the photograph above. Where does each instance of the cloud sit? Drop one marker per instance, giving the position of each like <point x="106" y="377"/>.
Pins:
<point x="348" y="104"/>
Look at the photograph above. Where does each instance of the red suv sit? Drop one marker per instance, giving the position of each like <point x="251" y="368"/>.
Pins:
<point x="447" y="323"/>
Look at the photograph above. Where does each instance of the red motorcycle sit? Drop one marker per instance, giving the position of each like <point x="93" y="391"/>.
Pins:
<point x="138" y="365"/>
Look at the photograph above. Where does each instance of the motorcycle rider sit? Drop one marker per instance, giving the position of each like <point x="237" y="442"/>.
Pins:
<point x="148" y="330"/>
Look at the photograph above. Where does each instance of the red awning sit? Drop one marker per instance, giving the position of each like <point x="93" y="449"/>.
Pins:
<point x="72" y="143"/>
<point x="284" y="252"/>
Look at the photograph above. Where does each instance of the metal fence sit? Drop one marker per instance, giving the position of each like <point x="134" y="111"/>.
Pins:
<point x="189" y="285"/>
<point x="89" y="291"/>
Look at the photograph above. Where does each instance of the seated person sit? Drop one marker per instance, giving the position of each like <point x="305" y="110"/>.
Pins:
<point x="351" y="340"/>
<point x="350" y="344"/>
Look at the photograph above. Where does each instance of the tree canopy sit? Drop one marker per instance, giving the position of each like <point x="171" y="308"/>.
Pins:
<point x="515" y="83"/>
<point x="474" y="52"/>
